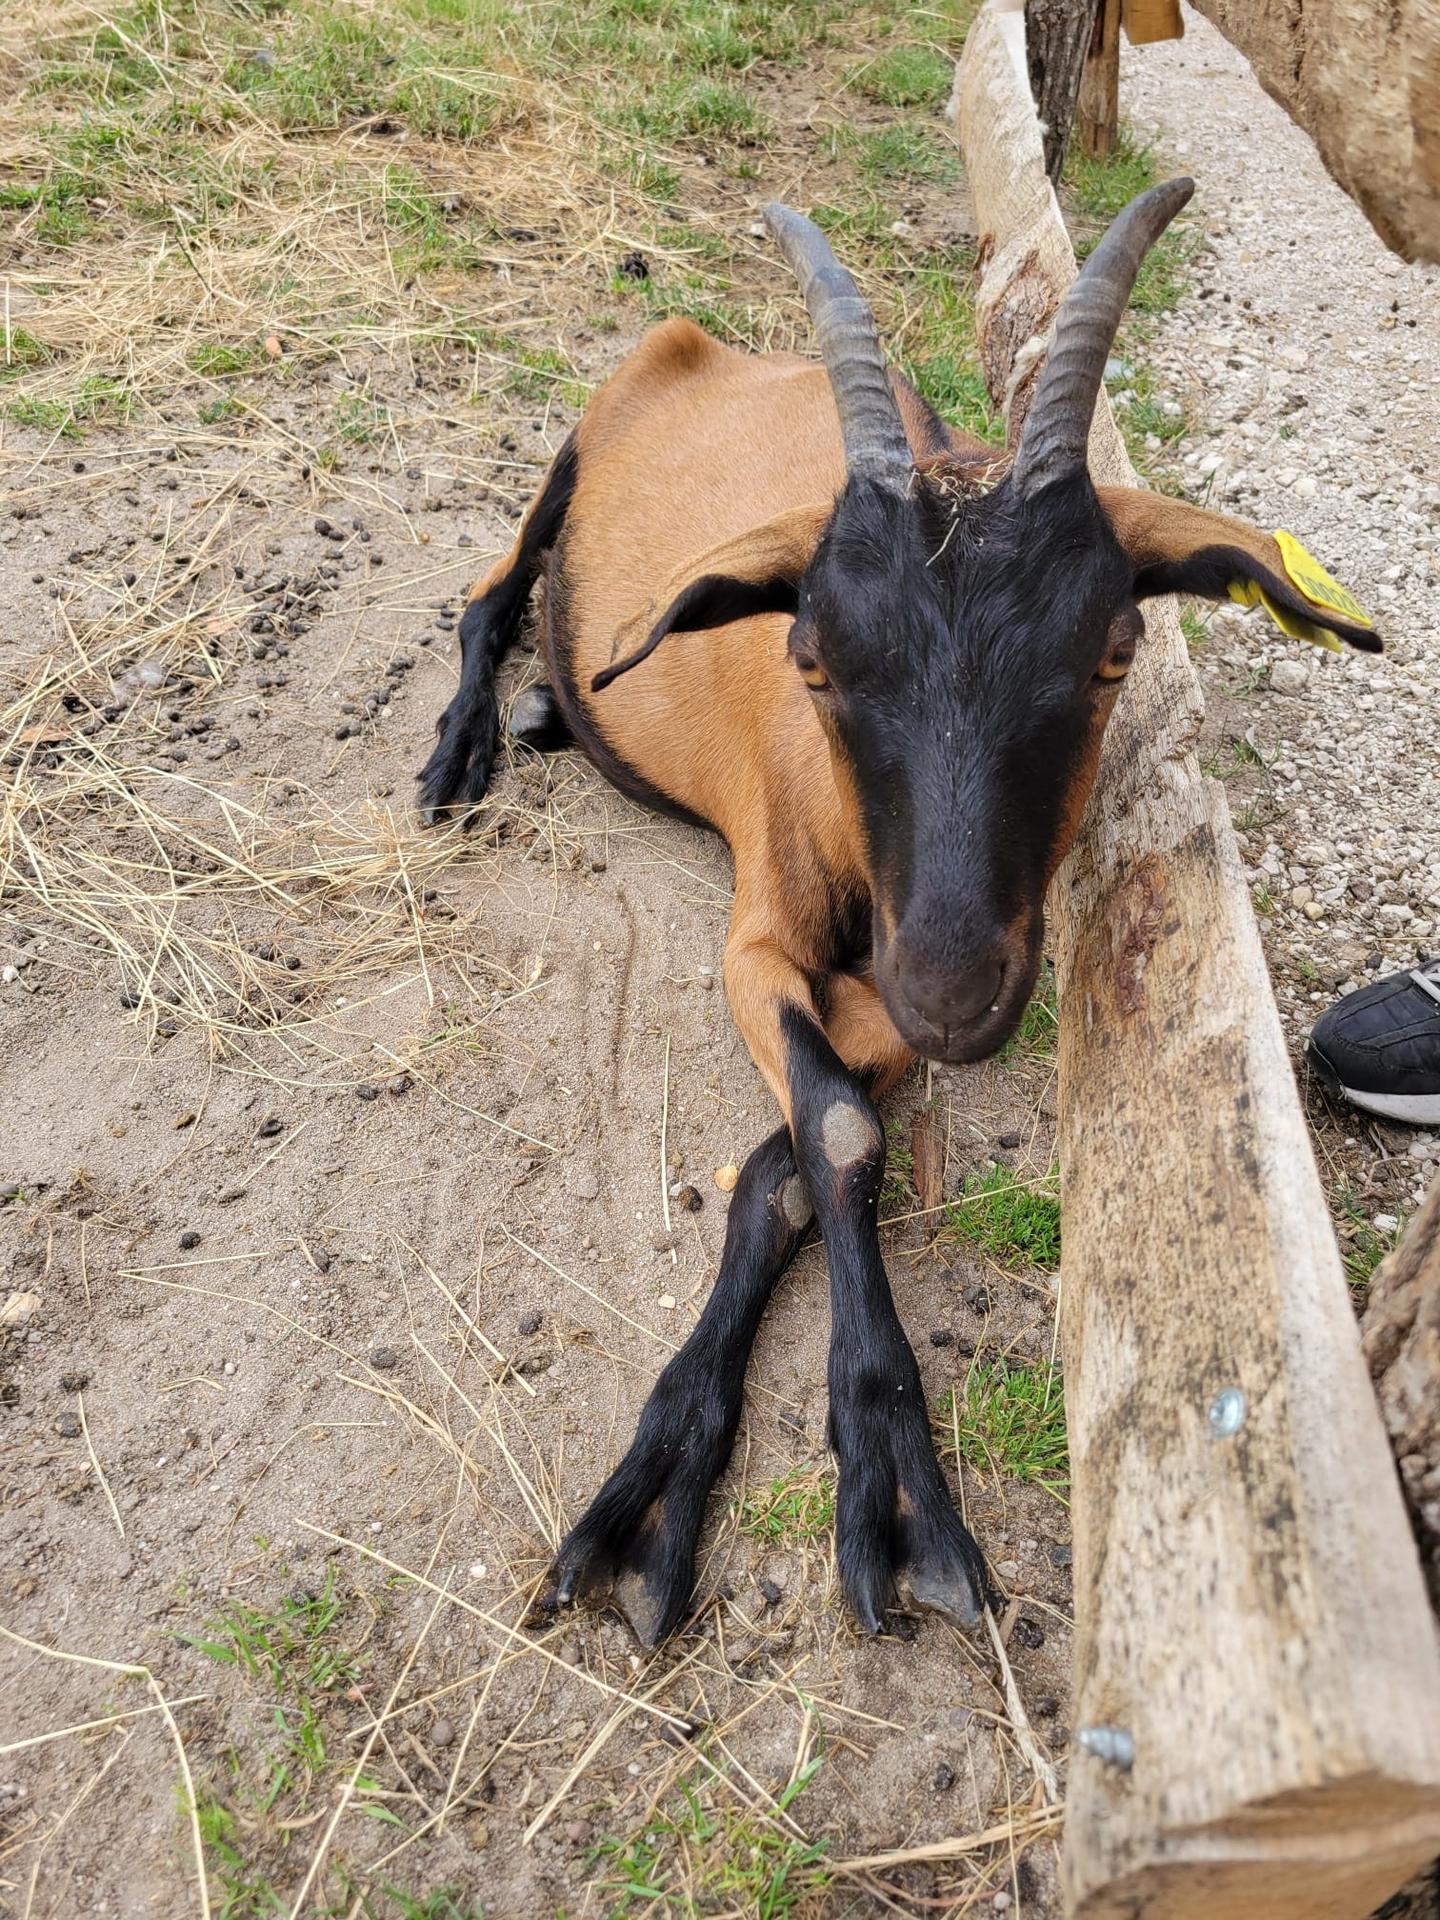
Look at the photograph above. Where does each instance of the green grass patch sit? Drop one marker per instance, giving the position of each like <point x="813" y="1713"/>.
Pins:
<point x="1036" y="1036"/>
<point x="913" y="76"/>
<point x="1015" y="1222"/>
<point x="294" y="1644"/>
<point x="695" y="1857"/>
<point x="1008" y="1417"/>
<point x="908" y="152"/>
<point x="1363" y="1245"/>
<point x="98" y="398"/>
<point x="795" y="1508"/>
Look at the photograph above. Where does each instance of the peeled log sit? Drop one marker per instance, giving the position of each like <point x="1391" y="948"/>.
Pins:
<point x="1250" y="1611"/>
<point x="1363" y="80"/>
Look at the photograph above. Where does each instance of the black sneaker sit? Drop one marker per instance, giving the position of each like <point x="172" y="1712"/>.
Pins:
<point x="1380" y="1046"/>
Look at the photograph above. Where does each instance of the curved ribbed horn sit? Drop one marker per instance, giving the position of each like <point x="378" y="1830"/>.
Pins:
<point x="1058" y="426"/>
<point x="870" y="424"/>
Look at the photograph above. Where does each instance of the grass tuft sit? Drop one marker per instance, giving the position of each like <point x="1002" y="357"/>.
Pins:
<point x="905" y="77"/>
<point x="695" y="1857"/>
<point x="792" y="1509"/>
<point x="1008" y="1417"/>
<point x="1017" y="1224"/>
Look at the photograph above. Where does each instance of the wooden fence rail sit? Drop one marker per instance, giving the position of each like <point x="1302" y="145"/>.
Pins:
<point x="1257" y="1689"/>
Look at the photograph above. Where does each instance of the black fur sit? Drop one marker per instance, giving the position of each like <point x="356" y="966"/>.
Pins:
<point x="894" y="1520"/>
<point x="458" y="772"/>
<point x="714" y="600"/>
<point x="637" y="1540"/>
<point x="1208" y="574"/>
<point x="960" y="635"/>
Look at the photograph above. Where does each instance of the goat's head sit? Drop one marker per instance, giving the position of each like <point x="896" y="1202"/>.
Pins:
<point x="965" y="633"/>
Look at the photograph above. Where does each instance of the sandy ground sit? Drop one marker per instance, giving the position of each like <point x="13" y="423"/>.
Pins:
<point x="339" y="1209"/>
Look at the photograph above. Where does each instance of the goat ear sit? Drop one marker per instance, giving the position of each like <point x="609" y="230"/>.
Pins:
<point x="759" y="571"/>
<point x="1177" y="548"/>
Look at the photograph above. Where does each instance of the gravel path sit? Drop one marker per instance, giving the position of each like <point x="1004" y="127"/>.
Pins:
<point x="1309" y="359"/>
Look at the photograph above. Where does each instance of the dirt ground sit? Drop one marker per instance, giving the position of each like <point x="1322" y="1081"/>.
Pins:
<point x="343" y="1233"/>
<point x="344" y="1219"/>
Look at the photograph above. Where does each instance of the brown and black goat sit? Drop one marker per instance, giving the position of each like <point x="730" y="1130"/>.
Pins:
<point x="892" y="663"/>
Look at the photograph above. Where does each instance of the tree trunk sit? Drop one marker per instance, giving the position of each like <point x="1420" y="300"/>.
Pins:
<point x="1057" y="39"/>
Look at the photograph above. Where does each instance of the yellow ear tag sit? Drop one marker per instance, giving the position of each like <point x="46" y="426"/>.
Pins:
<point x="1316" y="585"/>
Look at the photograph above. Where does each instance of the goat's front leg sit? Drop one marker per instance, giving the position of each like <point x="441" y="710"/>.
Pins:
<point x="894" y="1520"/>
<point x="636" y="1542"/>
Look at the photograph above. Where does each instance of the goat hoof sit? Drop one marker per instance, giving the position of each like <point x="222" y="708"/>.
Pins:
<point x="536" y="720"/>
<point x="456" y="777"/>
<point x="645" y="1573"/>
<point x="895" y="1527"/>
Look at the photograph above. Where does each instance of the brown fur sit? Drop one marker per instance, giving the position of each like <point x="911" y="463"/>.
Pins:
<point x="696" y="459"/>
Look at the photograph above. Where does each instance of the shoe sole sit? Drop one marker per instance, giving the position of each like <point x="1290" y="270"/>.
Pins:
<point x="1415" y="1109"/>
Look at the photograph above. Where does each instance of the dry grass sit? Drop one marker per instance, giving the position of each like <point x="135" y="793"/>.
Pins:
<point x="206" y="216"/>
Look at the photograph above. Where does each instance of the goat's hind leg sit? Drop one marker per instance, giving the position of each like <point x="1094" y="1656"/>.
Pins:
<point x="637" y="1539"/>
<point x="457" y="774"/>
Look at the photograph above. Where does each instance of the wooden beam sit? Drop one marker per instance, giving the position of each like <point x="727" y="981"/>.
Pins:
<point x="1099" y="109"/>
<point x="1149" y="20"/>
<point x="1364" y="83"/>
<point x="1257" y="1688"/>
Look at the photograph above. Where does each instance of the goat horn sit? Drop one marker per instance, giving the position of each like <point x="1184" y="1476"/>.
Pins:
<point x="1058" y="426"/>
<point x="870" y="424"/>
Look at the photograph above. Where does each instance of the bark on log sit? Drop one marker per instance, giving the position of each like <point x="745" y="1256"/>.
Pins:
<point x="1402" y="1344"/>
<point x="1363" y="80"/>
<point x="1250" y="1610"/>
<point x="1057" y="41"/>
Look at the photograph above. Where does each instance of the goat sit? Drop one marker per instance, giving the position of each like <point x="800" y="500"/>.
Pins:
<point x="790" y="603"/>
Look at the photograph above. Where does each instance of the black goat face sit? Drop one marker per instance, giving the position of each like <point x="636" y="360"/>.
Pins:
<point x="964" y="650"/>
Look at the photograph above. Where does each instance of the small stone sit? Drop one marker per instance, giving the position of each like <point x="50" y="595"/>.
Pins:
<point x="19" y="1310"/>
<point x="770" y="1591"/>
<point x="667" y="1302"/>
<point x="442" y="1734"/>
<point x="726" y="1177"/>
<point x="384" y="1359"/>
<point x="74" y="1382"/>
<point x="977" y="1298"/>
<point x="400" y="1084"/>
<point x="941" y="1337"/>
<point x="68" y="1427"/>
<point x="1029" y="1632"/>
<point x="366" y="1092"/>
<point x="529" y="1323"/>
<point x="663" y="1242"/>
<point x="1289" y="677"/>
<point x="1061" y="1555"/>
<point x="943" y="1778"/>
<point x="1002" y="1902"/>
<point x="189" y="1239"/>
<point x="1011" y="1140"/>
<point x="229" y="1196"/>
<point x="477" y="1832"/>
<point x="587" y="1187"/>
<point x="269" y="1129"/>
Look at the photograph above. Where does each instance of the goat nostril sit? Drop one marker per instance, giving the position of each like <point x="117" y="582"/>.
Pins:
<point x="953" y="999"/>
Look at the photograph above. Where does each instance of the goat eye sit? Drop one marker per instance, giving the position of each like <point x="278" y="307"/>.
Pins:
<point x="1117" y="661"/>
<point x="811" y="672"/>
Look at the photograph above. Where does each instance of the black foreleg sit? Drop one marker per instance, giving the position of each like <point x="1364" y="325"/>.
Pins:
<point x="893" y="1516"/>
<point x="457" y="774"/>
<point x="637" y="1540"/>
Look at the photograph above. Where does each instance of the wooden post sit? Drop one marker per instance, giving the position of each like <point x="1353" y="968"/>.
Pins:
<point x="1057" y="37"/>
<point x="1099" y="111"/>
<point x="1257" y="1687"/>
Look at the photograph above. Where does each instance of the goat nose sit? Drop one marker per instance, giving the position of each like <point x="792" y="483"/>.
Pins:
<point x="953" y="997"/>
